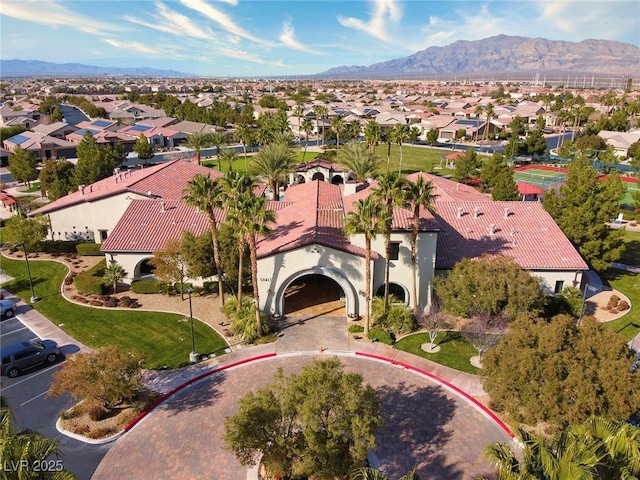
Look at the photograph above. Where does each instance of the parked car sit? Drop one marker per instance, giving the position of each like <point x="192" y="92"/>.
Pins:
<point x="26" y="355"/>
<point x="7" y="307"/>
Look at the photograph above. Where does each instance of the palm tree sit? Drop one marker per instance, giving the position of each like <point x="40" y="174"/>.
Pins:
<point x="400" y="134"/>
<point x="372" y="134"/>
<point x="307" y="128"/>
<point x="26" y="447"/>
<point x="244" y="134"/>
<point x="337" y="125"/>
<point x="229" y="155"/>
<point x="390" y="193"/>
<point x="274" y="162"/>
<point x="238" y="189"/>
<point x="418" y="194"/>
<point x="219" y="139"/>
<point x="257" y="225"/>
<point x="362" y="163"/>
<point x="320" y="112"/>
<point x="297" y="111"/>
<point x="207" y="196"/>
<point x="490" y="112"/>
<point x="114" y="273"/>
<point x="368" y="219"/>
<point x="197" y="141"/>
<point x="369" y="473"/>
<point x="478" y="113"/>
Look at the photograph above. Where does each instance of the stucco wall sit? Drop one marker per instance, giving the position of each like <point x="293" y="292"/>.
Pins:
<point x="550" y="277"/>
<point x="88" y="218"/>
<point x="276" y="272"/>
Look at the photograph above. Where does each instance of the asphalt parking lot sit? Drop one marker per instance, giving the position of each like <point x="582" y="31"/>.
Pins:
<point x="33" y="409"/>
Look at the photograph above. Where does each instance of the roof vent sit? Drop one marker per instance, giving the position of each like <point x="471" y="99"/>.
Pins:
<point x="513" y="232"/>
<point x="162" y="207"/>
<point x="81" y="189"/>
<point x="476" y="212"/>
<point x="116" y="171"/>
<point x="460" y="212"/>
<point x="507" y="212"/>
<point x="492" y="229"/>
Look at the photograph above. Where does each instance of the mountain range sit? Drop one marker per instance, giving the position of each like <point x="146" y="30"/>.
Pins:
<point x="507" y="54"/>
<point x="37" y="68"/>
<point x="501" y="54"/>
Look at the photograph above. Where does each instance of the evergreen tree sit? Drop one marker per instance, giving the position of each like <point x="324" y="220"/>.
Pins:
<point x="467" y="166"/>
<point x="56" y="178"/>
<point x="95" y="162"/>
<point x="504" y="186"/>
<point x="22" y="166"/>
<point x="143" y="148"/>
<point x="582" y="209"/>
<point x="536" y="143"/>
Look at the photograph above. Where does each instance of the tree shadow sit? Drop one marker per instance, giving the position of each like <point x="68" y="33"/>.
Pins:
<point x="415" y="431"/>
<point x="200" y="395"/>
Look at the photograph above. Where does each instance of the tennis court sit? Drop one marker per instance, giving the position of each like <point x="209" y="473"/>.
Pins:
<point x="632" y="188"/>
<point x="541" y="178"/>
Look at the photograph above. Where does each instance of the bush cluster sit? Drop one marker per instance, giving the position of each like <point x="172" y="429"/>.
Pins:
<point x="616" y="305"/>
<point x="397" y="319"/>
<point x="145" y="286"/>
<point x="356" y="328"/>
<point x="92" y="281"/>
<point x="59" y="246"/>
<point x="89" y="249"/>
<point x="243" y="319"/>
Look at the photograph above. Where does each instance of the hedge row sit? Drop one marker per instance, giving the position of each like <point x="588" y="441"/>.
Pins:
<point x="92" y="281"/>
<point x="59" y="246"/>
<point x="147" y="285"/>
<point x="89" y="249"/>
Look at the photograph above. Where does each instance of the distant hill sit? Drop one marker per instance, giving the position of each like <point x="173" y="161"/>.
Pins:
<point x="502" y="53"/>
<point x="37" y="68"/>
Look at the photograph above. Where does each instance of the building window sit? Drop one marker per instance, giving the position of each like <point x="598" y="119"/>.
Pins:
<point x="395" y="250"/>
<point x="103" y="235"/>
<point x="559" y="287"/>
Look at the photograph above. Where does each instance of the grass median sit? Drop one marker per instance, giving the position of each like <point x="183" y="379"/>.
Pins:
<point x="163" y="339"/>
<point x="455" y="351"/>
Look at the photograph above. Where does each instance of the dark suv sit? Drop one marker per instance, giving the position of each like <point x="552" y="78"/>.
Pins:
<point x="25" y="355"/>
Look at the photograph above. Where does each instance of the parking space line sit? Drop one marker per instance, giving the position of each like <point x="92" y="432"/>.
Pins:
<point x="35" y="374"/>
<point x="32" y="399"/>
<point x="14" y="331"/>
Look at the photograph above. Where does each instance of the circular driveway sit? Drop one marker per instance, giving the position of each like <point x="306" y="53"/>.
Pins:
<point x="426" y="427"/>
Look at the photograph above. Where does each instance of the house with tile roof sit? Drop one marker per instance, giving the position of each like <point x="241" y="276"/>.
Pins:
<point x="44" y="147"/>
<point x="134" y="213"/>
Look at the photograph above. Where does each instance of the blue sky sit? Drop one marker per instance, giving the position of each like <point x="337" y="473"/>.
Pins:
<point x="296" y="37"/>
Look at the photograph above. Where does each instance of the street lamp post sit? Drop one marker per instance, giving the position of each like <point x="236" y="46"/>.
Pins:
<point x="193" y="356"/>
<point x="33" y="298"/>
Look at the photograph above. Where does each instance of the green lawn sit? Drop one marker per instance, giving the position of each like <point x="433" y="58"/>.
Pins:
<point x="163" y="339"/>
<point x="631" y="255"/>
<point x="455" y="352"/>
<point x="628" y="283"/>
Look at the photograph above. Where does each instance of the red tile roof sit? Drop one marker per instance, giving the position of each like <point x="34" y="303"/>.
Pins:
<point x="525" y="188"/>
<point x="166" y="180"/>
<point x="528" y="235"/>
<point x="320" y="162"/>
<point x="450" y="191"/>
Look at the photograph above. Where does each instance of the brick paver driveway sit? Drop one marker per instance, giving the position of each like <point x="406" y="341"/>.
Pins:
<point x="425" y="426"/>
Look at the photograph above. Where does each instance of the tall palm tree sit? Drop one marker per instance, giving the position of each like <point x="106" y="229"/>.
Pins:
<point x="320" y="112"/>
<point x="197" y="141"/>
<point x="372" y="134"/>
<point x="369" y="473"/>
<point x="478" y="113"/>
<point x="362" y="163"/>
<point x="26" y="447"/>
<point x="390" y="192"/>
<point x="307" y="128"/>
<point x="418" y="194"/>
<point x="297" y="111"/>
<point x="208" y="197"/>
<point x="400" y="134"/>
<point x="490" y="112"/>
<point x="337" y="125"/>
<point x="244" y="134"/>
<point x="274" y="162"/>
<point x="228" y="155"/>
<point x="257" y="225"/>
<point x="368" y="219"/>
<point x="238" y="189"/>
<point x="219" y="139"/>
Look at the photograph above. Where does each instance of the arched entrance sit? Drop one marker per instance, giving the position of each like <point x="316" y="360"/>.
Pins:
<point x="318" y="176"/>
<point x="395" y="290"/>
<point x="337" y="180"/>
<point x="144" y="268"/>
<point x="316" y="291"/>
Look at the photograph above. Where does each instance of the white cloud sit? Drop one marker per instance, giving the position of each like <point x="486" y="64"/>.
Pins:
<point x="54" y="14"/>
<point x="287" y="37"/>
<point x="384" y="11"/>
<point x="169" y="21"/>
<point x="238" y="54"/>
<point x="221" y="18"/>
<point x="136" y="47"/>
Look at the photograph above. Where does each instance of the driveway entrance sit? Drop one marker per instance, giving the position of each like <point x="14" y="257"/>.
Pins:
<point x="314" y="295"/>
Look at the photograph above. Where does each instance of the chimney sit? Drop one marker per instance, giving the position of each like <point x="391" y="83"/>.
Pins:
<point x="81" y="189"/>
<point x="492" y="229"/>
<point x="507" y="212"/>
<point x="349" y="188"/>
<point x="460" y="212"/>
<point x="476" y="212"/>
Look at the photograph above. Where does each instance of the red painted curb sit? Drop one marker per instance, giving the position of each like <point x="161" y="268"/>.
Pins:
<point x="151" y="407"/>
<point x="444" y="382"/>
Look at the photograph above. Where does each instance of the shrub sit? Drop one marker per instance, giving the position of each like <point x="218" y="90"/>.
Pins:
<point x="382" y="336"/>
<point x="92" y="281"/>
<point x="128" y="302"/>
<point x="210" y="287"/>
<point x="89" y="249"/>
<point x="243" y="319"/>
<point x="623" y="305"/>
<point x="398" y="320"/>
<point x="168" y="289"/>
<point x="356" y="328"/>
<point x="101" y="432"/>
<point x="111" y="302"/>
<point x="97" y="412"/>
<point x="58" y="246"/>
<point x="146" y="286"/>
